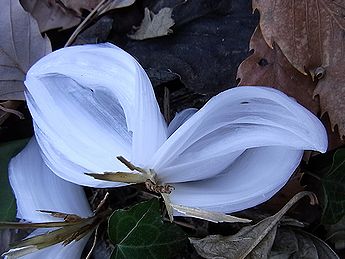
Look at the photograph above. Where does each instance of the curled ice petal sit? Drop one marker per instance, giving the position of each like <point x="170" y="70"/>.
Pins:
<point x="37" y="188"/>
<point x="180" y="118"/>
<point x="252" y="179"/>
<point x="90" y="104"/>
<point x="231" y="123"/>
<point x="238" y="150"/>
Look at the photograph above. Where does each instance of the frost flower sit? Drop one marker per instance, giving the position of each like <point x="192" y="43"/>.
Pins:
<point x="93" y="103"/>
<point x="37" y="188"/>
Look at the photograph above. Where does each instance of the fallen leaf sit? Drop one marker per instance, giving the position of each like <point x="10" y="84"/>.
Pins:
<point x="323" y="250"/>
<point x="21" y="45"/>
<point x="102" y="7"/>
<point x="186" y="11"/>
<point x="96" y="33"/>
<point x="269" y="67"/>
<point x="310" y="33"/>
<point x="264" y="247"/>
<point x="115" y="4"/>
<point x="331" y="89"/>
<point x="51" y="14"/>
<point x="79" y="5"/>
<point x="296" y="243"/>
<point x="223" y="247"/>
<point x="154" y="25"/>
<point x="334" y="139"/>
<point x="336" y="234"/>
<point x="248" y="241"/>
<point x="204" y="51"/>
<point x="285" y="244"/>
<point x="65" y="14"/>
<point x="311" y="36"/>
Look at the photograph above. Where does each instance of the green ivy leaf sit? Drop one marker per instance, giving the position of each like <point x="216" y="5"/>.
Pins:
<point x="140" y="233"/>
<point x="333" y="183"/>
<point x="7" y="199"/>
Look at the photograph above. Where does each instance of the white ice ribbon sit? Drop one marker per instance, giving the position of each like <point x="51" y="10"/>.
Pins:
<point x="37" y="188"/>
<point x="93" y="103"/>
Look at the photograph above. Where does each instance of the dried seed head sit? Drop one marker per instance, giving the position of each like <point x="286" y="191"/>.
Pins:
<point x="153" y="187"/>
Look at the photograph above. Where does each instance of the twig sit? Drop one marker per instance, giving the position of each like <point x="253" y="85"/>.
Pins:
<point x="100" y="205"/>
<point x="93" y="244"/>
<point x="82" y="25"/>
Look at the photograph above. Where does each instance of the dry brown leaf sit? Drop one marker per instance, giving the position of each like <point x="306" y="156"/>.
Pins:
<point x="310" y="33"/>
<point x="331" y="89"/>
<point x="115" y="4"/>
<point x="102" y="7"/>
<point x="223" y="247"/>
<point x="65" y="14"/>
<point x="311" y="36"/>
<point x="295" y="243"/>
<point x="154" y="25"/>
<point x="95" y="33"/>
<point x="250" y="242"/>
<point x="269" y="67"/>
<point x="51" y="14"/>
<point x="21" y="45"/>
<point x="334" y="140"/>
<point x="79" y="5"/>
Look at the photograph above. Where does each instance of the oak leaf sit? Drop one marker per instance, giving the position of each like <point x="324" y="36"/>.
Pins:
<point x="331" y="90"/>
<point x="269" y="67"/>
<point x="50" y="14"/>
<point x="21" y="45"/>
<point x="311" y="36"/>
<point x="154" y="25"/>
<point x="310" y="33"/>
